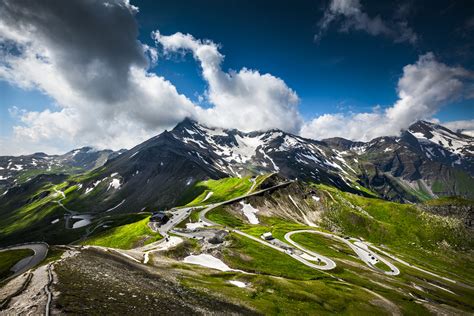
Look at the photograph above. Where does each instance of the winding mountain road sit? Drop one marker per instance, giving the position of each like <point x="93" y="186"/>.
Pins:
<point x="40" y="252"/>
<point x="323" y="263"/>
<point x="306" y="256"/>
<point x="327" y="264"/>
<point x="358" y="247"/>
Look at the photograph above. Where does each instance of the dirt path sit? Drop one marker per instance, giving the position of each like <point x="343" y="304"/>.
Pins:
<point x="33" y="300"/>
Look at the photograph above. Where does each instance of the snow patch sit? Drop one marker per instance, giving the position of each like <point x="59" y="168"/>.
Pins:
<point x="190" y="132"/>
<point x="115" y="183"/>
<point x="75" y="152"/>
<point x="208" y="196"/>
<point x="93" y="186"/>
<point x="246" y="148"/>
<point x="311" y="157"/>
<point x="238" y="283"/>
<point x="88" y="190"/>
<point x="249" y="212"/>
<point x="198" y="142"/>
<point x="207" y="261"/>
<point x="288" y="143"/>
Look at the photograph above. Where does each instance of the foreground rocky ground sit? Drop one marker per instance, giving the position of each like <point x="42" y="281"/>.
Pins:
<point x="94" y="281"/>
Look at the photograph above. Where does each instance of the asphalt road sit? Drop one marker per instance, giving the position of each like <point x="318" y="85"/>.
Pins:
<point x="328" y="264"/>
<point x="359" y="248"/>
<point x="40" y="252"/>
<point x="179" y="215"/>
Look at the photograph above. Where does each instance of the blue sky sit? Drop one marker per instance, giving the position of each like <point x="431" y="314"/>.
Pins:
<point x="352" y="69"/>
<point x="354" y="65"/>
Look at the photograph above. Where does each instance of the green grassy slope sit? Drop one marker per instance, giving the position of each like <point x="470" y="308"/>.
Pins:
<point x="9" y="258"/>
<point x="32" y="220"/>
<point x="223" y="189"/>
<point x="438" y="244"/>
<point x="252" y="257"/>
<point x="221" y="216"/>
<point x="381" y="221"/>
<point x="280" y="285"/>
<point x="125" y="236"/>
<point x="450" y="200"/>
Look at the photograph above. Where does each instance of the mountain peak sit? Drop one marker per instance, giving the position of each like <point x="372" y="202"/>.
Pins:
<point x="427" y="130"/>
<point x="186" y="123"/>
<point x="421" y="125"/>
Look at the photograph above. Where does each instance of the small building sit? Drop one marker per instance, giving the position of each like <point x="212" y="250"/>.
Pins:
<point x="159" y="217"/>
<point x="267" y="236"/>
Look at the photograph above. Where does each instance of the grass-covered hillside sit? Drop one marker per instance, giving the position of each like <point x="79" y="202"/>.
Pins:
<point x="9" y="258"/>
<point x="125" y="236"/>
<point x="212" y="191"/>
<point x="434" y="243"/>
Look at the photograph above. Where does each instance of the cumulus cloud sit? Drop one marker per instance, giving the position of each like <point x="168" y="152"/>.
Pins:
<point x="423" y="89"/>
<point x="244" y="99"/>
<point x="351" y="15"/>
<point x="86" y="57"/>
<point x="466" y="127"/>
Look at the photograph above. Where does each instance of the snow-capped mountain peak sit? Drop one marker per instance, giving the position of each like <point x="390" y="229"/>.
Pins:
<point x="430" y="134"/>
<point x="239" y="153"/>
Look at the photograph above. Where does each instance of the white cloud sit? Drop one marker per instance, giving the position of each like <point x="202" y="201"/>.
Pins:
<point x="247" y="99"/>
<point x="95" y="71"/>
<point x="353" y="16"/>
<point x="105" y="95"/>
<point x="423" y="89"/>
<point x="98" y="75"/>
<point x="464" y="126"/>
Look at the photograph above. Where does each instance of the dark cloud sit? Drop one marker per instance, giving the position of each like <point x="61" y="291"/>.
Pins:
<point x="94" y="42"/>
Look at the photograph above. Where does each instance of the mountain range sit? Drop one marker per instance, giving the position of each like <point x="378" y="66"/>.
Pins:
<point x="426" y="161"/>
